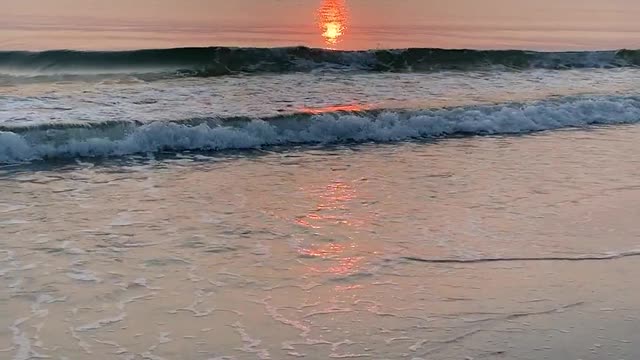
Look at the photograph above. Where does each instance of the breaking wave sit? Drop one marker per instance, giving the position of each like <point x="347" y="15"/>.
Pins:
<point x="218" y="61"/>
<point x="121" y="138"/>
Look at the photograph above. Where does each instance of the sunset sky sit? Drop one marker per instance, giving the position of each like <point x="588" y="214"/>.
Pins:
<point x="119" y="24"/>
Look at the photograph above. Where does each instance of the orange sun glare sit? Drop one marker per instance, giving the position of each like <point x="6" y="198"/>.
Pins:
<point x="332" y="21"/>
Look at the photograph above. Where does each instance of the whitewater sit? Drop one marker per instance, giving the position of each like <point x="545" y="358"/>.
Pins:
<point x="68" y="104"/>
<point x="256" y="203"/>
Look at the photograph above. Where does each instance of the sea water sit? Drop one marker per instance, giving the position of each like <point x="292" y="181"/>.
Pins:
<point x="302" y="203"/>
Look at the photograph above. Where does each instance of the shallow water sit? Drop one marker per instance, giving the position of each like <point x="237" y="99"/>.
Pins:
<point x="226" y="203"/>
<point x="310" y="252"/>
<point x="29" y="101"/>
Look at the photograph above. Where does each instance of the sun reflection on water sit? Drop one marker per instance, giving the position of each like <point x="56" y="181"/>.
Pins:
<point x="332" y="21"/>
<point x="343" y="264"/>
<point x="336" y="108"/>
<point x="334" y="209"/>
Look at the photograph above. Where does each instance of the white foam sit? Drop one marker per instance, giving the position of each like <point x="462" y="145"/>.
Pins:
<point x="21" y="341"/>
<point x="102" y="323"/>
<point x="83" y="275"/>
<point x="335" y="128"/>
<point x="250" y="345"/>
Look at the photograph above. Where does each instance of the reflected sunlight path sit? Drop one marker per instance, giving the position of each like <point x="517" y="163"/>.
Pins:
<point x="332" y="21"/>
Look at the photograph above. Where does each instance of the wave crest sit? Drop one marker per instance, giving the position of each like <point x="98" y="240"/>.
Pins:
<point x="113" y="139"/>
<point x="218" y="61"/>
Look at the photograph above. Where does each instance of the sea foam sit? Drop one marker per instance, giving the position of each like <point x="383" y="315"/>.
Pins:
<point x="25" y="144"/>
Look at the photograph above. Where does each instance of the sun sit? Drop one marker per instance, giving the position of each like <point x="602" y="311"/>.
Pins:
<point x="332" y="32"/>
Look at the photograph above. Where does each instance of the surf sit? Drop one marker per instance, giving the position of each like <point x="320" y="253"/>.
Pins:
<point x="117" y="138"/>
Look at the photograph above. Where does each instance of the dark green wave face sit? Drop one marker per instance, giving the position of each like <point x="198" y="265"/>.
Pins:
<point x="629" y="56"/>
<point x="218" y="61"/>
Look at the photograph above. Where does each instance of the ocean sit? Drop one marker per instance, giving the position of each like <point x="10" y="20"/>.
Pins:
<point x="379" y="193"/>
<point x="276" y="203"/>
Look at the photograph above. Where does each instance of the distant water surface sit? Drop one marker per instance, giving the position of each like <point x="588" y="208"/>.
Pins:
<point x="342" y="24"/>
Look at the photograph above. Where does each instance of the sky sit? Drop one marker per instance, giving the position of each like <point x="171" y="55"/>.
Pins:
<point x="489" y="24"/>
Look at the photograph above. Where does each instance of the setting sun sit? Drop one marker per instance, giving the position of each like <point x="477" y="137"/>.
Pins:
<point x="333" y="32"/>
<point x="332" y="20"/>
